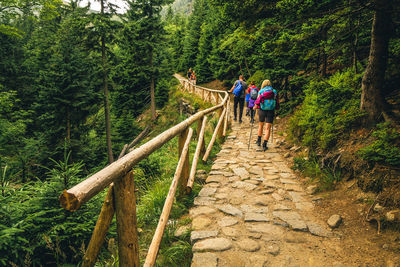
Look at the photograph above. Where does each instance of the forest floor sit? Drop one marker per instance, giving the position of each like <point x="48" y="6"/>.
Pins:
<point x="297" y="234"/>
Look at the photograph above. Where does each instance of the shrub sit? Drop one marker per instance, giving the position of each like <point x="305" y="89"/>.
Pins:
<point x="329" y="109"/>
<point x="327" y="177"/>
<point x="34" y="226"/>
<point x="385" y="150"/>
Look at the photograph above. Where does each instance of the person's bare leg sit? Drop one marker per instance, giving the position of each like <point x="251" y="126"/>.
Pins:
<point x="260" y="133"/>
<point x="267" y="131"/>
<point x="260" y="128"/>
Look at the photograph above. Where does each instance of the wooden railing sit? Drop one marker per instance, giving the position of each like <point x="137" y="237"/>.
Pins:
<point x="119" y="177"/>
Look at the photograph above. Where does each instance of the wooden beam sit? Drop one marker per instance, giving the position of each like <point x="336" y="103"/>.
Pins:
<point x="221" y="128"/>
<point x="125" y="211"/>
<point x="100" y="230"/>
<point x="183" y="137"/>
<point x="210" y="145"/>
<point x="155" y="243"/>
<point x="200" y="145"/>
<point x="74" y="197"/>
<point x="226" y="119"/>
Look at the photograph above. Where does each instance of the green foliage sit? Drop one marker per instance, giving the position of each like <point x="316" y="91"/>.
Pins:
<point x="34" y="226"/>
<point x="329" y="110"/>
<point x="385" y="149"/>
<point x="326" y="178"/>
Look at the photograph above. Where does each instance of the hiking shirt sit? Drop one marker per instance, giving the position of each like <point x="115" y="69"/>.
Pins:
<point x="244" y="88"/>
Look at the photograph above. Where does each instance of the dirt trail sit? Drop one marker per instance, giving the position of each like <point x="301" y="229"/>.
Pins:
<point x="253" y="211"/>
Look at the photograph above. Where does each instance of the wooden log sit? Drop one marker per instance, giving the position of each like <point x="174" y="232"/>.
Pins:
<point x="202" y="94"/>
<point x="221" y="129"/>
<point x="200" y="145"/>
<point x="100" y="230"/>
<point x="226" y="119"/>
<point x="185" y="170"/>
<point x="199" y="123"/>
<point x="214" y="136"/>
<point x="216" y="98"/>
<point x="74" y="197"/>
<point x="209" y="96"/>
<point x="155" y="243"/>
<point x="125" y="211"/>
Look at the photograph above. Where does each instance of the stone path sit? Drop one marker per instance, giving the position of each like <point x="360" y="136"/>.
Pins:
<point x="253" y="212"/>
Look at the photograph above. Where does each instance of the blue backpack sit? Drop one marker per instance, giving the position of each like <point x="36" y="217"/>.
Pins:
<point x="268" y="104"/>
<point x="238" y="88"/>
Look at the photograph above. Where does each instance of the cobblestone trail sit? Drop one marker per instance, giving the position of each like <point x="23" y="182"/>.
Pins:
<point x="253" y="212"/>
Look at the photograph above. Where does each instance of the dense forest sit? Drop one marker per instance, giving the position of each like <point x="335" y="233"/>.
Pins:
<point x="74" y="85"/>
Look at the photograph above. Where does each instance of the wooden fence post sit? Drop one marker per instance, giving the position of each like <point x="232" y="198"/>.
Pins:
<point x="210" y="145"/>
<point x="221" y="129"/>
<point x="162" y="222"/>
<point x="216" y="98"/>
<point x="202" y="94"/>
<point x="200" y="146"/>
<point x="125" y="210"/>
<point x="185" y="171"/>
<point x="100" y="230"/>
<point x="199" y="123"/>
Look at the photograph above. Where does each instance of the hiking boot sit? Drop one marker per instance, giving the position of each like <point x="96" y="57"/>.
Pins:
<point x="235" y="119"/>
<point x="252" y="121"/>
<point x="265" y="145"/>
<point x="258" y="142"/>
<point x="240" y="121"/>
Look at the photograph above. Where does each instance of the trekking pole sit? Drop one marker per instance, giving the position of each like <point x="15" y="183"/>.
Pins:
<point x="251" y="130"/>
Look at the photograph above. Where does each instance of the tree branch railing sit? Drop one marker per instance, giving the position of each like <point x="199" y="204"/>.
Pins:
<point x="118" y="176"/>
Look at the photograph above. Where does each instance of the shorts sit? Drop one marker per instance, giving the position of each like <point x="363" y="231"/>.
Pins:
<point x="266" y="115"/>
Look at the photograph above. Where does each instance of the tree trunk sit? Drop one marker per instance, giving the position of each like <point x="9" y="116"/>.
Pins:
<point x="372" y="83"/>
<point x="152" y="96"/>
<point x="247" y="67"/>
<point x="105" y="88"/>
<point x="355" y="45"/>
<point x="68" y="125"/>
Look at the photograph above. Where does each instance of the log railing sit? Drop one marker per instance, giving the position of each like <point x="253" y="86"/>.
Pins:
<point x="119" y="177"/>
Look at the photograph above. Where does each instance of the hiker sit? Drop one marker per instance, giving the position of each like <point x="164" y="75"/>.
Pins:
<point x="253" y="94"/>
<point x="267" y="102"/>
<point x="247" y="98"/>
<point x="189" y="74"/>
<point x="239" y="88"/>
<point x="193" y="78"/>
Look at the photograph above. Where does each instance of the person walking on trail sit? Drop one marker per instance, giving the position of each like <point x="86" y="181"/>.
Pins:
<point x="189" y="74"/>
<point x="238" y="89"/>
<point x="267" y="102"/>
<point x="247" y="98"/>
<point x="193" y="78"/>
<point x="253" y="94"/>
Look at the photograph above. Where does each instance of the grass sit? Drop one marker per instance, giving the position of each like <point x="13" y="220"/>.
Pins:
<point x="326" y="178"/>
